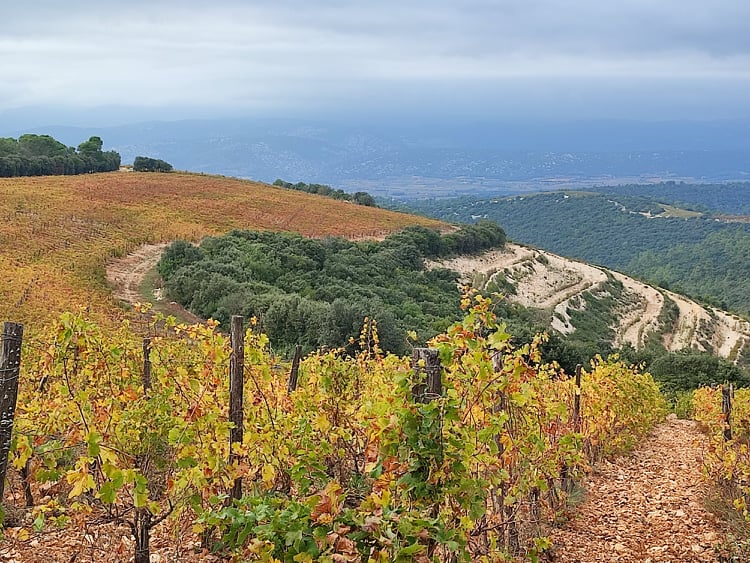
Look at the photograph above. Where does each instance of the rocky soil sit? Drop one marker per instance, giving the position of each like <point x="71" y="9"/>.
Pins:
<point x="647" y="507"/>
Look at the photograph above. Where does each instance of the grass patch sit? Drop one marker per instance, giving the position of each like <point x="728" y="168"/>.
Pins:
<point x="672" y="211"/>
<point x="151" y="284"/>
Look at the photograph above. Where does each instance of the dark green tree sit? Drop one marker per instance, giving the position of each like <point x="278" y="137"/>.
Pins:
<point x="146" y="164"/>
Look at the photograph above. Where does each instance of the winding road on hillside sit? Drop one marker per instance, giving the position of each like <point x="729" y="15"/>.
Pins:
<point x="648" y="507"/>
<point x="547" y="281"/>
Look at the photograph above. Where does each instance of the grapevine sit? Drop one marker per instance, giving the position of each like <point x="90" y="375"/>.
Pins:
<point x="347" y="467"/>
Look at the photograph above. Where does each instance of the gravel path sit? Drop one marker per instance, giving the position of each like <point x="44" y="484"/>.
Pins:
<point x="125" y="276"/>
<point x="647" y="507"/>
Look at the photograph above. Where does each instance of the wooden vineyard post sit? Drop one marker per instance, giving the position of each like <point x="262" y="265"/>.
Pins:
<point x="236" y="385"/>
<point x="10" y="368"/>
<point x="577" y="400"/>
<point x="432" y="387"/>
<point x="726" y="410"/>
<point x="567" y="480"/>
<point x="425" y="390"/>
<point x="294" y="373"/>
<point x="146" y="365"/>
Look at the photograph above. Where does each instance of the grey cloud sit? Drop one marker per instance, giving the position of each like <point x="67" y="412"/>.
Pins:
<point x="288" y="52"/>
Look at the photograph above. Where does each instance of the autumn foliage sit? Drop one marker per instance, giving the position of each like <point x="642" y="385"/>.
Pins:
<point x="726" y="464"/>
<point x="348" y="467"/>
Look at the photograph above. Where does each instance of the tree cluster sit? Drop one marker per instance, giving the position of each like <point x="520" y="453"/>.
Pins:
<point x="42" y="155"/>
<point x="360" y="198"/>
<point x="318" y="292"/>
<point x="146" y="164"/>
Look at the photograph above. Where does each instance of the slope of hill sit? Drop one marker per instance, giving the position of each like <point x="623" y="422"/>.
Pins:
<point x="639" y="230"/>
<point x="634" y="311"/>
<point x="58" y="232"/>
<point x="731" y="198"/>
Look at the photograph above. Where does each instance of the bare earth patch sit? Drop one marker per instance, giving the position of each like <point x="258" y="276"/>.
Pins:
<point x="547" y="281"/>
<point x="647" y="507"/>
<point x="639" y="321"/>
<point x="104" y="543"/>
<point x="125" y="275"/>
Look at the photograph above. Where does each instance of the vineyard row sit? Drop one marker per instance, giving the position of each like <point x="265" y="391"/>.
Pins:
<point x="467" y="451"/>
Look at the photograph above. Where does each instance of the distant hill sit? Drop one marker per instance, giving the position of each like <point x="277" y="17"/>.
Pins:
<point x="589" y="310"/>
<point x="640" y="230"/>
<point x="407" y="159"/>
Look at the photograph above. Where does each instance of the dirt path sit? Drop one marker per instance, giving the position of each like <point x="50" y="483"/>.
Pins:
<point x="125" y="275"/>
<point x="642" y="319"/>
<point x="647" y="507"/>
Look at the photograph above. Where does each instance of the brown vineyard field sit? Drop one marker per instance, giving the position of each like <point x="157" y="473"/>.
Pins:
<point x="58" y="232"/>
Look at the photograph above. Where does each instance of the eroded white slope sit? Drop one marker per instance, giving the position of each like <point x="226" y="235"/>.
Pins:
<point x="547" y="281"/>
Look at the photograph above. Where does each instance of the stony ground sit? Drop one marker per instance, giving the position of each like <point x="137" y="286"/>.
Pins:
<point x="647" y="508"/>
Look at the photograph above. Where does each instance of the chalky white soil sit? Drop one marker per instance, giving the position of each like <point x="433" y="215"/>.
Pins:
<point x="547" y="281"/>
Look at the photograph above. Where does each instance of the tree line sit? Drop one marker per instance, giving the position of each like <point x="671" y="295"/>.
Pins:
<point x="42" y="155"/>
<point x="360" y="198"/>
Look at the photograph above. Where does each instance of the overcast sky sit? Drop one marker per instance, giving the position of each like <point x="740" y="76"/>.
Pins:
<point x="502" y="58"/>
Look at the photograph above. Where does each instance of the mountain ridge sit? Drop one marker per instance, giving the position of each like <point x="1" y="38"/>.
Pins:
<point x="399" y="158"/>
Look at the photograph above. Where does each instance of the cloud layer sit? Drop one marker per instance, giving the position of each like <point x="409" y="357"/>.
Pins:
<point x="286" y="54"/>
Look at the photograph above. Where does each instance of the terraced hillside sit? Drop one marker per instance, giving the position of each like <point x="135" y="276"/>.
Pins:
<point x="58" y="233"/>
<point x="540" y="279"/>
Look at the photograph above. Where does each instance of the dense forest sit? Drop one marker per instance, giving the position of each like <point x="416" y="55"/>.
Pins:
<point x="732" y="198"/>
<point x="636" y="233"/>
<point x="42" y="155"/>
<point x="318" y="292"/>
<point x="360" y="198"/>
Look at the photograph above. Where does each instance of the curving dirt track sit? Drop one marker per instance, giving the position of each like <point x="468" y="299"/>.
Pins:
<point x="125" y="275"/>
<point x="642" y="319"/>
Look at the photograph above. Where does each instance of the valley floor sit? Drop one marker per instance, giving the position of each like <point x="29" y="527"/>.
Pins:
<point x="647" y="507"/>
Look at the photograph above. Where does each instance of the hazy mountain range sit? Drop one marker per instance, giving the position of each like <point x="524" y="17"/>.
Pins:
<point x="417" y="158"/>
